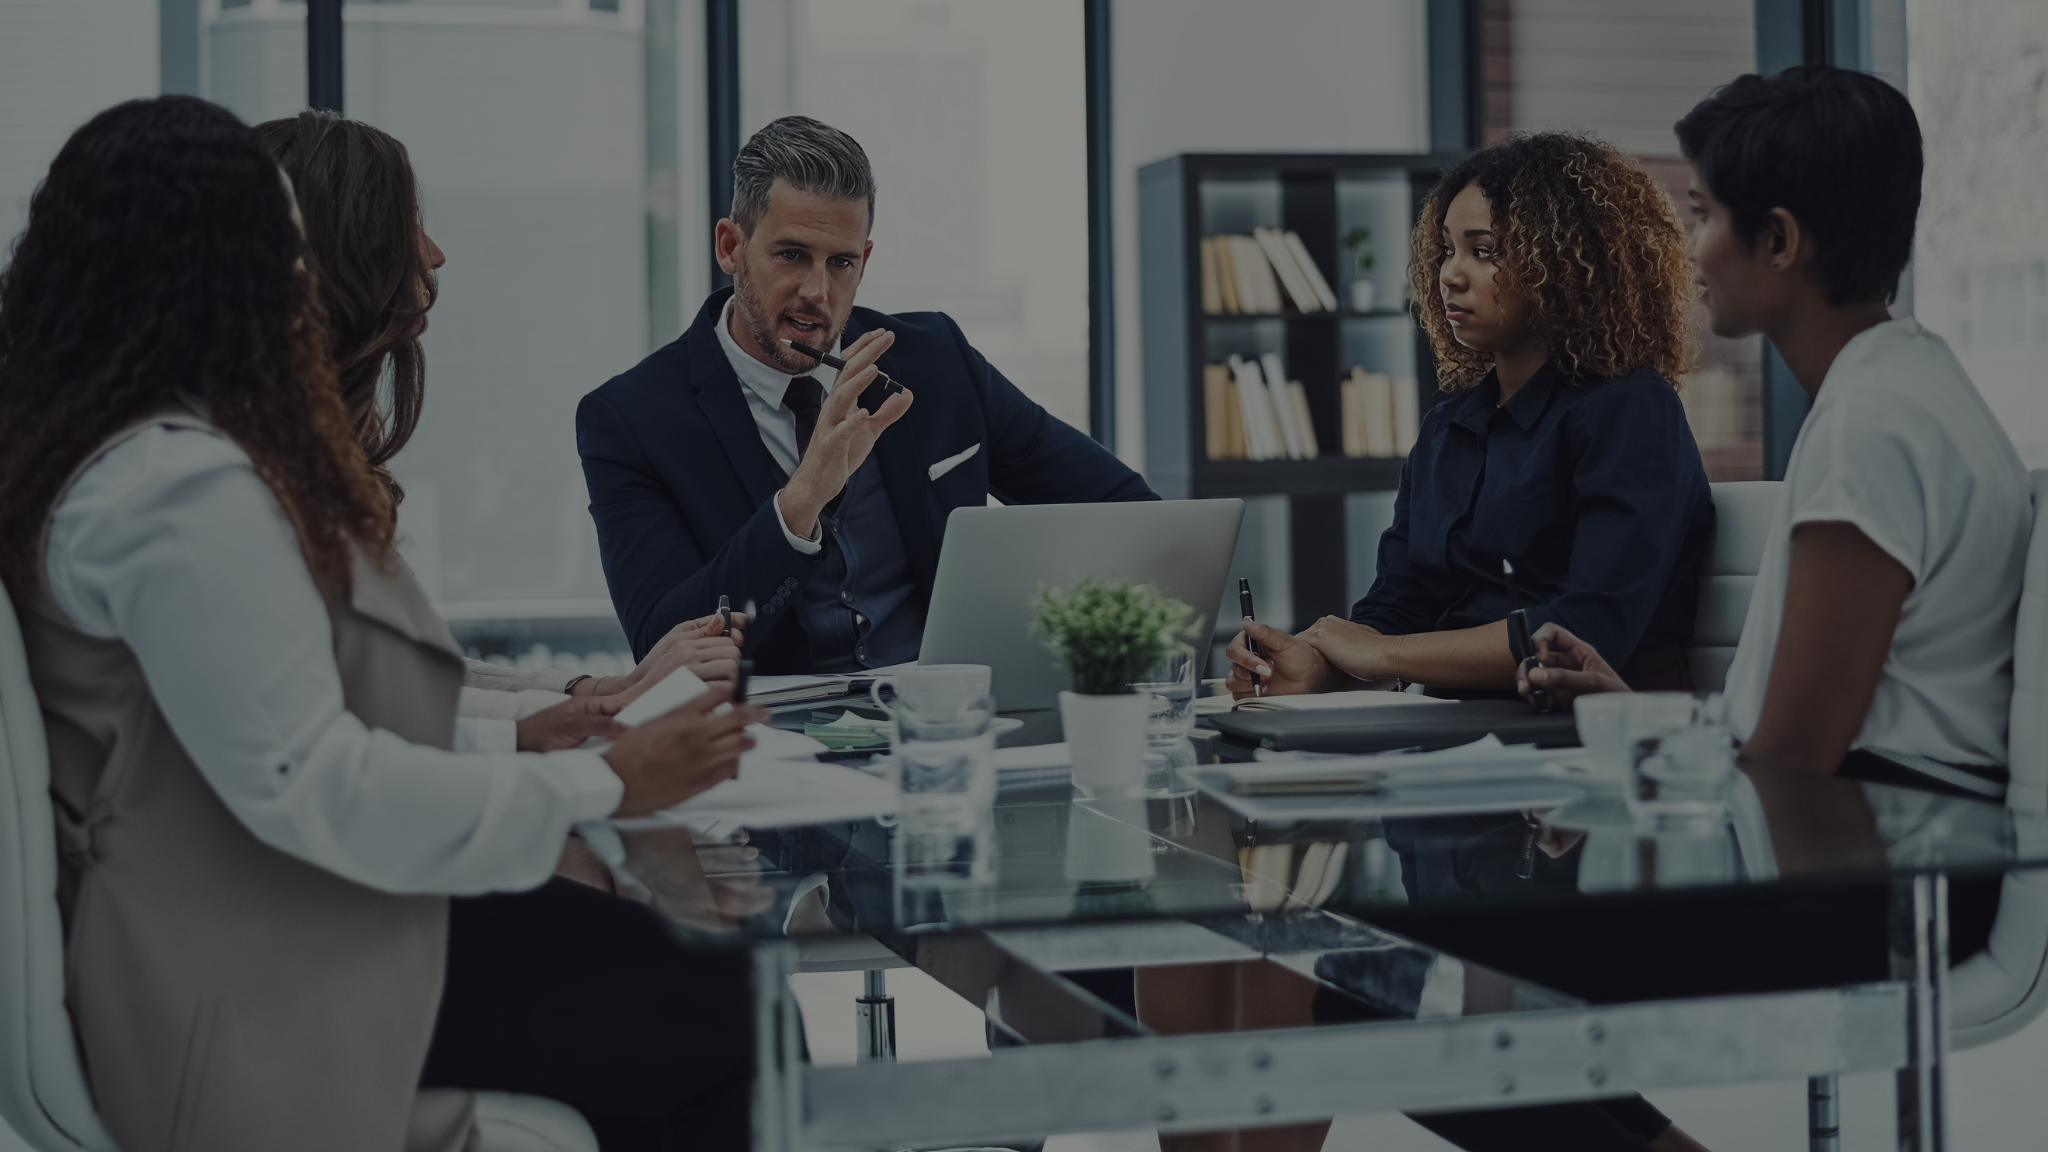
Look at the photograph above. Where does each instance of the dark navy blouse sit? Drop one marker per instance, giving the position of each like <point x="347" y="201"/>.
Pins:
<point x="1594" y="491"/>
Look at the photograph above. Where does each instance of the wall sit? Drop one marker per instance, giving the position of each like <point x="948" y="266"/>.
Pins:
<point x="1977" y="73"/>
<point x="62" y="61"/>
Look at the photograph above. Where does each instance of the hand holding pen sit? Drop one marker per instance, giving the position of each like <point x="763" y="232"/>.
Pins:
<point x="845" y="434"/>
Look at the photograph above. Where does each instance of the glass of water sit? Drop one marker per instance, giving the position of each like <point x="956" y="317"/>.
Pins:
<point x="945" y="837"/>
<point x="1681" y="761"/>
<point x="1171" y="683"/>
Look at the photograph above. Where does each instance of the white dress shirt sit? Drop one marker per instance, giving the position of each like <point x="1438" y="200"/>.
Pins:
<point x="172" y="545"/>
<point x="764" y="388"/>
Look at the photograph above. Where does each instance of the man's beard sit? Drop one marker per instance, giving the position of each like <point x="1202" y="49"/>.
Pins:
<point x="749" y="305"/>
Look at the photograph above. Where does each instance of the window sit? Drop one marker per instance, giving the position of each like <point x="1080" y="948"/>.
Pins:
<point x="972" y="113"/>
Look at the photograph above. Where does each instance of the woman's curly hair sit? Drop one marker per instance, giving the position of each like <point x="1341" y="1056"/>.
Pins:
<point x="361" y="206"/>
<point x="162" y="264"/>
<point x="1588" y="238"/>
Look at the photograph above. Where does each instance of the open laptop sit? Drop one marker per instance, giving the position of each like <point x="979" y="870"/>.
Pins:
<point x="995" y="559"/>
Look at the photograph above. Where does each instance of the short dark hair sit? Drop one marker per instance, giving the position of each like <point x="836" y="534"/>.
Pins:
<point x="1839" y="150"/>
<point x="812" y="156"/>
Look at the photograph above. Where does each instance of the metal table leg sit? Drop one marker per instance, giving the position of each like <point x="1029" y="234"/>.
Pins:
<point x="874" y="1017"/>
<point x="1919" y="944"/>
<point x="1823" y="1114"/>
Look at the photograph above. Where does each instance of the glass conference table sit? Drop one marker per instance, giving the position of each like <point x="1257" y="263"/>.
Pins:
<point x="1474" y="943"/>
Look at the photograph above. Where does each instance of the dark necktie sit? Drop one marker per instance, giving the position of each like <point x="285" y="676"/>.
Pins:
<point x="804" y="398"/>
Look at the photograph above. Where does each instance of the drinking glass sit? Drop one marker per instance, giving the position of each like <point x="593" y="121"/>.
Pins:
<point x="1171" y="683"/>
<point x="945" y="823"/>
<point x="1680" y="761"/>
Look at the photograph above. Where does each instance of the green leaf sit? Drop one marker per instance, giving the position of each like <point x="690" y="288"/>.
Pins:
<point x="1108" y="635"/>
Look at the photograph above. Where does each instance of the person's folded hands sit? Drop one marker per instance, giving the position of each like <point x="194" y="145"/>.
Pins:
<point x="1286" y="665"/>
<point x="1567" y="667"/>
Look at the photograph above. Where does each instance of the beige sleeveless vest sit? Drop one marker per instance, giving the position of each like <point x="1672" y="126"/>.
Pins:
<point x="229" y="997"/>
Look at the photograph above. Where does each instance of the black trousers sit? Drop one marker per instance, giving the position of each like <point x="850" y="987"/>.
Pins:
<point x="582" y="997"/>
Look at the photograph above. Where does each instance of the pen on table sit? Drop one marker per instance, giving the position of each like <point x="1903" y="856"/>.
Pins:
<point x="1244" y="608"/>
<point x="888" y="383"/>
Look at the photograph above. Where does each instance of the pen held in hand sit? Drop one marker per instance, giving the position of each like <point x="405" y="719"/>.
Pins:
<point x="1523" y="647"/>
<point x="888" y="383"/>
<point x="1244" y="607"/>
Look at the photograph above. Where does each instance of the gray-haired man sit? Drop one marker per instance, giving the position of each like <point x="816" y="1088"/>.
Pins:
<point x="729" y="464"/>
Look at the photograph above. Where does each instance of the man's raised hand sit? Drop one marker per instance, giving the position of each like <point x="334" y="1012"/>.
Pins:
<point x="846" y="433"/>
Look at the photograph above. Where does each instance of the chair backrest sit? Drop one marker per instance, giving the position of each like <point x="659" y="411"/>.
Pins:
<point x="1743" y="510"/>
<point x="43" y="1091"/>
<point x="2003" y="988"/>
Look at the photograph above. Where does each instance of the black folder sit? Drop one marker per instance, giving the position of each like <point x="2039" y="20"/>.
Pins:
<point x="1385" y="728"/>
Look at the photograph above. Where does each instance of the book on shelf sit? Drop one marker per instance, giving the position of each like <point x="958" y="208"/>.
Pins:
<point x="1379" y="414"/>
<point x="1247" y="275"/>
<point x="1257" y="409"/>
<point x="1298" y="397"/>
<point x="1309" y="269"/>
<point x="1212" y="289"/>
<point x="1226" y="275"/>
<point x="1273" y="243"/>
<point x="1251" y="411"/>
<point x="1215" y="391"/>
<point x="1283" y="407"/>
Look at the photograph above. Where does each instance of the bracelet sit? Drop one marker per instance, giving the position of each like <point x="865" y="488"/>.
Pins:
<point x="570" y="687"/>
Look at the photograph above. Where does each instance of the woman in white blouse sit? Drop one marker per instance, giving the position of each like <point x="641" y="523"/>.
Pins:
<point x="251" y="716"/>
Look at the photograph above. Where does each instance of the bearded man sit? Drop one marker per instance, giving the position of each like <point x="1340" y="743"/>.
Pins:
<point x="728" y="463"/>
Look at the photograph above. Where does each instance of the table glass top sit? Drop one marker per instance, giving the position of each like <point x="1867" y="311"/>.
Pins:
<point x="1547" y="831"/>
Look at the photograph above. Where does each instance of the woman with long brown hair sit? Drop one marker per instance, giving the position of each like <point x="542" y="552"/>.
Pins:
<point x="1549" y="273"/>
<point x="251" y="712"/>
<point x="376" y="269"/>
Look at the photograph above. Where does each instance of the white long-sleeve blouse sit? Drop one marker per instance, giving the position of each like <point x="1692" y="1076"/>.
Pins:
<point x="171" y="544"/>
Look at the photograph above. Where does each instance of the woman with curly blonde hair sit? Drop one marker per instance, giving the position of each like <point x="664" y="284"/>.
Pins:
<point x="1557" y="473"/>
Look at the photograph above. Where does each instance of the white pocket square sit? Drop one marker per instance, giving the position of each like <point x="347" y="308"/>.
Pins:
<point x="952" y="462"/>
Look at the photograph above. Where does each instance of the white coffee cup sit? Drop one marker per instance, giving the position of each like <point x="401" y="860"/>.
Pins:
<point x="935" y="690"/>
<point x="1600" y="718"/>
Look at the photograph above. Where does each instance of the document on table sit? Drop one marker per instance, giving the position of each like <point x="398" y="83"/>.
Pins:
<point x="1312" y="702"/>
<point x="771" y="793"/>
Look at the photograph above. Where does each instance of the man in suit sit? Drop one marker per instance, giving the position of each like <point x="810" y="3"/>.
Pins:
<point x="729" y="464"/>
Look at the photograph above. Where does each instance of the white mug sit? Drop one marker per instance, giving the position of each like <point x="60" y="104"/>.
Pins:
<point x="1600" y="717"/>
<point x="935" y="690"/>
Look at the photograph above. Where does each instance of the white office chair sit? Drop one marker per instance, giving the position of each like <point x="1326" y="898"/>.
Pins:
<point x="43" y="1091"/>
<point x="1743" y="510"/>
<point x="2002" y="989"/>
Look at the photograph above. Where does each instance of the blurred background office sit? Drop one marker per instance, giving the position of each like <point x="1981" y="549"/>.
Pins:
<point x="569" y="153"/>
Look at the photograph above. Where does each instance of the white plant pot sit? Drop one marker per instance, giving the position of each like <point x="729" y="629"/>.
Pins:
<point x="1106" y="735"/>
<point x="1361" y="295"/>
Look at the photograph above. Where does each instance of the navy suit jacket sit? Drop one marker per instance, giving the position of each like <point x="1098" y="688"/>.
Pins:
<point x="681" y="484"/>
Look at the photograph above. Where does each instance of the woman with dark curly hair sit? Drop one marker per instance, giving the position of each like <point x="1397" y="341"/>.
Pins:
<point x="251" y="712"/>
<point x="1558" y="474"/>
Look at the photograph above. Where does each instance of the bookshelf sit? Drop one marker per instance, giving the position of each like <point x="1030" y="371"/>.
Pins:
<point x="1321" y="197"/>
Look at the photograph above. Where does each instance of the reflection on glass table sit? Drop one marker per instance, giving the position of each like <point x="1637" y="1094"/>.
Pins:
<point x="1357" y="945"/>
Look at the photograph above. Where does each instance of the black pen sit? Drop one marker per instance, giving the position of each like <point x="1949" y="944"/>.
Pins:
<point x="1521" y="645"/>
<point x="888" y="383"/>
<point x="725" y="613"/>
<point x="1244" y="607"/>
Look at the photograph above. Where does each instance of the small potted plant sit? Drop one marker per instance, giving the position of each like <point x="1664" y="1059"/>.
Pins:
<point x="1358" y="242"/>
<point x="1108" y="636"/>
